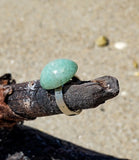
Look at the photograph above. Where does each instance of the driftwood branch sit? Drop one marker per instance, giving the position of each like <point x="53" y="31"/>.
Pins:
<point x="29" y="100"/>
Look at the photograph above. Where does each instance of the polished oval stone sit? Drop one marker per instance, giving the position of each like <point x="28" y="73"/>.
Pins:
<point x="57" y="73"/>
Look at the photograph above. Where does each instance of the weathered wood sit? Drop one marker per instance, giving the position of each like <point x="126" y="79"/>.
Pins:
<point x="29" y="100"/>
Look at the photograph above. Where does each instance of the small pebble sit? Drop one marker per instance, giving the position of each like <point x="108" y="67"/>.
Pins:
<point x="135" y="64"/>
<point x="123" y="93"/>
<point x="120" y="45"/>
<point x="102" y="41"/>
<point x="12" y="61"/>
<point x="79" y="137"/>
<point x="136" y="74"/>
<point x="134" y="140"/>
<point x="102" y="109"/>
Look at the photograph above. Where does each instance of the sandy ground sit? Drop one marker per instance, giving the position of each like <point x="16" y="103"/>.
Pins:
<point x="34" y="32"/>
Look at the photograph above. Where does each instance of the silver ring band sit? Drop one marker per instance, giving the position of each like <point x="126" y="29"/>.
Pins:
<point x="61" y="104"/>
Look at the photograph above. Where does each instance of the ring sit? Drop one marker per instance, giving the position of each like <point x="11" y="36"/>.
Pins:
<point x="61" y="104"/>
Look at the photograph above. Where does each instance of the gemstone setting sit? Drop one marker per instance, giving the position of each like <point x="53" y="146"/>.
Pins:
<point x="57" y="73"/>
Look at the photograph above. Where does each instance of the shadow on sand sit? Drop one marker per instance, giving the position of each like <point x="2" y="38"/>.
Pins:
<point x="25" y="143"/>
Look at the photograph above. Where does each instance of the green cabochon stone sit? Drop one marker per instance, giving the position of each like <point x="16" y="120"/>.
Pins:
<point x="57" y="73"/>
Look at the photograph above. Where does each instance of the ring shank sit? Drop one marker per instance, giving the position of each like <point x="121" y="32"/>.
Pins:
<point x="61" y="104"/>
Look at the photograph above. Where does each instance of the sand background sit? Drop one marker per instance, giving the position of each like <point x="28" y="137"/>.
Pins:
<point x="34" y="32"/>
